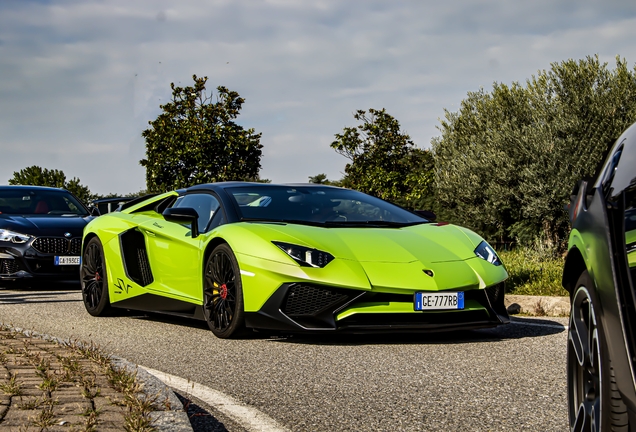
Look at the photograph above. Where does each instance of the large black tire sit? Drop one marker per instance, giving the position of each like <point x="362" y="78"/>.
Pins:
<point x="95" y="280"/>
<point x="594" y="401"/>
<point x="223" y="294"/>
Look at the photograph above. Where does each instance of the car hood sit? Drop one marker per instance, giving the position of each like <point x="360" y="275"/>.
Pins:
<point x="424" y="243"/>
<point x="43" y="225"/>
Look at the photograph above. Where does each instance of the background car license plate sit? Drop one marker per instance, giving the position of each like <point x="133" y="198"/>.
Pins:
<point x="438" y="301"/>
<point x="67" y="260"/>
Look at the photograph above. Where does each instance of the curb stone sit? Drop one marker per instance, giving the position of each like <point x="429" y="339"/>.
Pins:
<point x="171" y="419"/>
<point x="174" y="417"/>
<point x="537" y="305"/>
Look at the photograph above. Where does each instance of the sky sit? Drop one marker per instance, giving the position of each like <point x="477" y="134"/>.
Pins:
<point x="81" y="79"/>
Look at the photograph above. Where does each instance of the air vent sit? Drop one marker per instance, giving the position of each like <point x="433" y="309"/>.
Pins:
<point x="133" y="250"/>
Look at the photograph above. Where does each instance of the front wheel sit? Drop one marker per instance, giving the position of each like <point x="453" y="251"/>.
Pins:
<point x="94" y="279"/>
<point x="594" y="401"/>
<point x="223" y="293"/>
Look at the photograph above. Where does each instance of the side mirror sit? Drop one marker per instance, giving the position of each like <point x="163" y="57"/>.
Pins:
<point x="427" y="214"/>
<point x="94" y="211"/>
<point x="183" y="215"/>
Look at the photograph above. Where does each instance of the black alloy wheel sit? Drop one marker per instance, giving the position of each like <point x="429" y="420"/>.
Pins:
<point x="94" y="279"/>
<point x="223" y="293"/>
<point x="593" y="398"/>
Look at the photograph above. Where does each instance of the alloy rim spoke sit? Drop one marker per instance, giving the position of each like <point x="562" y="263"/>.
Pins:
<point x="92" y="273"/>
<point x="93" y="295"/>
<point x="591" y="331"/>
<point x="579" y="332"/>
<point x="595" y="425"/>
<point x="581" y="424"/>
<point x="218" y="310"/>
<point x="586" y="385"/>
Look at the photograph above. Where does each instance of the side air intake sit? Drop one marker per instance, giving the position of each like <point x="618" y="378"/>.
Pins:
<point x="133" y="250"/>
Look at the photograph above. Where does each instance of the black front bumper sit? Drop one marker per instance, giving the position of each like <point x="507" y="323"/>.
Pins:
<point x="36" y="260"/>
<point x="313" y="308"/>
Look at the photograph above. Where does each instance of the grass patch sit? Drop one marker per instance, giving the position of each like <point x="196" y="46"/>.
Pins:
<point x="11" y="386"/>
<point x="533" y="271"/>
<point x="87" y="376"/>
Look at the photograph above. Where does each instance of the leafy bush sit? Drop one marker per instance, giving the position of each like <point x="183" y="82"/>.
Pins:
<point x="534" y="270"/>
<point x="506" y="161"/>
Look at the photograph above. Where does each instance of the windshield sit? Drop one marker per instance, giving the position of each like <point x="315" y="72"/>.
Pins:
<point x="318" y="206"/>
<point x="24" y="201"/>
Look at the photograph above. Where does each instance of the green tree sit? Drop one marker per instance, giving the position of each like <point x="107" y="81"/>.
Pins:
<point x="38" y="176"/>
<point x="322" y="179"/>
<point x="384" y="161"/>
<point x="195" y="140"/>
<point x="507" y="160"/>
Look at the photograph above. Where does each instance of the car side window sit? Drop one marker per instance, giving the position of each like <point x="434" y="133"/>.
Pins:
<point x="205" y="205"/>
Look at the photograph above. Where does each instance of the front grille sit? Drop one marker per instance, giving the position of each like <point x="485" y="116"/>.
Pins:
<point x="76" y="246"/>
<point x="57" y="245"/>
<point x="310" y="300"/>
<point x="495" y="296"/>
<point x="8" y="266"/>
<point x="493" y="293"/>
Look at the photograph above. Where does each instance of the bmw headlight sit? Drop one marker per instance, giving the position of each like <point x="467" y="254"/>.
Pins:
<point x="486" y="252"/>
<point x="14" y="237"/>
<point x="305" y="256"/>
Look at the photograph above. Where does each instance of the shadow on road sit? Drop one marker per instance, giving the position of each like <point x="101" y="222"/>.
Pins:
<point x="39" y="293"/>
<point x="519" y="328"/>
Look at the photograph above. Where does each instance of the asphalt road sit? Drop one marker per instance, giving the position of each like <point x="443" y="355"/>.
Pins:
<point x="506" y="379"/>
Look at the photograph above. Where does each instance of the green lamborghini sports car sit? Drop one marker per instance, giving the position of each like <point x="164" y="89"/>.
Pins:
<point x="291" y="258"/>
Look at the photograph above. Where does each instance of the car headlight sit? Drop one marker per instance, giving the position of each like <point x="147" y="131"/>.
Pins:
<point x="486" y="252"/>
<point x="14" y="237"/>
<point x="305" y="256"/>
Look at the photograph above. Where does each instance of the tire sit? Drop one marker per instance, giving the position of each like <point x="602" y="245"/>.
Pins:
<point x="594" y="402"/>
<point x="223" y="294"/>
<point x="95" y="280"/>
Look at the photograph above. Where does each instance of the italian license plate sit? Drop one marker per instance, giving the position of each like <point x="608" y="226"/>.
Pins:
<point x="439" y="300"/>
<point x="67" y="260"/>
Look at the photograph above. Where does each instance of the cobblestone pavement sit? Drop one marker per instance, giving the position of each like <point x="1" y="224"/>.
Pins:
<point x="47" y="386"/>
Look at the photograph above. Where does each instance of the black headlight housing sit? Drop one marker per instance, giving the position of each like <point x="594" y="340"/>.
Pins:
<point x="486" y="252"/>
<point x="306" y="257"/>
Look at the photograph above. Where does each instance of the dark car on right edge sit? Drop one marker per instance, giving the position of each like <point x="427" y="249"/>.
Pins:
<point x="599" y="274"/>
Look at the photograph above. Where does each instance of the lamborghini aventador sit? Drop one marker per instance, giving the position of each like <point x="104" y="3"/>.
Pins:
<point x="290" y="258"/>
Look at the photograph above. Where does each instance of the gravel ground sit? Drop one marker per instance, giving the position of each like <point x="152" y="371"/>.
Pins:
<point x="505" y="379"/>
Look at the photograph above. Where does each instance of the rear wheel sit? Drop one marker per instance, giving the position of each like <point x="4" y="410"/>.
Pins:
<point x="223" y="293"/>
<point x="94" y="279"/>
<point x="594" y="401"/>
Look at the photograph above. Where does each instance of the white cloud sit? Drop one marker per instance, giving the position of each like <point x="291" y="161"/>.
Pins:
<point x="80" y="79"/>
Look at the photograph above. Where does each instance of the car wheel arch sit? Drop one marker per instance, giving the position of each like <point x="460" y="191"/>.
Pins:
<point x="213" y="243"/>
<point x="573" y="268"/>
<point x="88" y="237"/>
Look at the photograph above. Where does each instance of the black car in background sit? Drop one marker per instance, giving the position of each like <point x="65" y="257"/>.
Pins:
<point x="600" y="274"/>
<point x="40" y="234"/>
<point x="108" y="205"/>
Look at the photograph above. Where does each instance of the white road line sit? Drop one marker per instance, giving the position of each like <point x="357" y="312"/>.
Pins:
<point x="250" y="418"/>
<point x="554" y="326"/>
